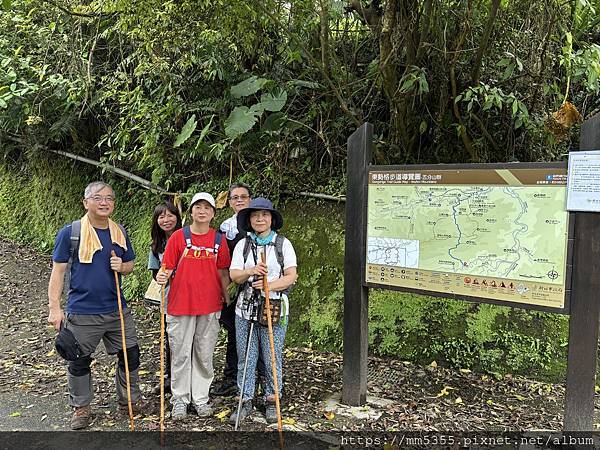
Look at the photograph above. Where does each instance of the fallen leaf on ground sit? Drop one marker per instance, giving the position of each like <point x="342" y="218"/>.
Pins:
<point x="223" y="414"/>
<point x="444" y="391"/>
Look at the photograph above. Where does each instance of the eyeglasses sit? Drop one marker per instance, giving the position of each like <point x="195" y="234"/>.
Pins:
<point x="235" y="198"/>
<point x="100" y="198"/>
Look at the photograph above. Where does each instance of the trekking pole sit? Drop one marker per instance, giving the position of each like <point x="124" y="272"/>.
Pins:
<point x="237" y="418"/>
<point x="272" y="346"/>
<point x="123" y="343"/>
<point x="162" y="354"/>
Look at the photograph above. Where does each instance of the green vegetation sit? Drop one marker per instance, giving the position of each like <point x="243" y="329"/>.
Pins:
<point x="189" y="94"/>
<point x="186" y="91"/>
<point x="37" y="200"/>
<point x="488" y="338"/>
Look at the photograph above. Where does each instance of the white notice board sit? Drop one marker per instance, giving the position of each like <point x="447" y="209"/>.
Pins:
<point x="583" y="181"/>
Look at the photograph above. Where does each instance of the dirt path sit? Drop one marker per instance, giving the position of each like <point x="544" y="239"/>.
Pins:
<point x="33" y="391"/>
<point x="32" y="385"/>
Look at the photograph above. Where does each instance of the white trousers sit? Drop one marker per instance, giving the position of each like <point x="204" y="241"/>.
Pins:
<point x="192" y="340"/>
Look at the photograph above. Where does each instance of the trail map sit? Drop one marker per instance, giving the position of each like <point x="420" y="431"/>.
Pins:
<point x="496" y="234"/>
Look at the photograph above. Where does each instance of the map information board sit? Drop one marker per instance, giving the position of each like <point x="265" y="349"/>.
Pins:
<point x="498" y="234"/>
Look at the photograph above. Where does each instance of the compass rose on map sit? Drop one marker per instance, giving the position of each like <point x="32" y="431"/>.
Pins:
<point x="552" y="274"/>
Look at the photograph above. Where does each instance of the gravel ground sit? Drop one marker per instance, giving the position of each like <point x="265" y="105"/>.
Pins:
<point x="33" y="391"/>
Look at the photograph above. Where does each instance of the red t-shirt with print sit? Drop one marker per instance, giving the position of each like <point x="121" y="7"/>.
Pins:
<point x="196" y="286"/>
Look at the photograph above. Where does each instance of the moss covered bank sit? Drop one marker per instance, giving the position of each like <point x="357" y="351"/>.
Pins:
<point x="40" y="197"/>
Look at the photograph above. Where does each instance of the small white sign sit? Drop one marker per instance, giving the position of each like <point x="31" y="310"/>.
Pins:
<point x="583" y="181"/>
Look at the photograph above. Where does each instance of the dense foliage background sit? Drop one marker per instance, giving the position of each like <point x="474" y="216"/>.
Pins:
<point x="189" y="94"/>
<point x="186" y="91"/>
<point x="37" y="200"/>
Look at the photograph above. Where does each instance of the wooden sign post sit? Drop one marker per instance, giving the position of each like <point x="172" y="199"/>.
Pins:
<point x="356" y="295"/>
<point x="581" y="284"/>
<point x="585" y="307"/>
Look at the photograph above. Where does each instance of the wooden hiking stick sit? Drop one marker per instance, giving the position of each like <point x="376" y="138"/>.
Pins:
<point x="123" y="343"/>
<point x="272" y="346"/>
<point x="162" y="354"/>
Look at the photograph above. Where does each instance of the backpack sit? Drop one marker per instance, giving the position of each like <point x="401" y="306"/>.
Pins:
<point x="279" y="240"/>
<point x="187" y="236"/>
<point x="74" y="239"/>
<point x="74" y="247"/>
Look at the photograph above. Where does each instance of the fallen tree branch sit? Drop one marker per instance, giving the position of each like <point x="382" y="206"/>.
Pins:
<point x="341" y="198"/>
<point x="153" y="187"/>
<point x="144" y="183"/>
<point x="148" y="185"/>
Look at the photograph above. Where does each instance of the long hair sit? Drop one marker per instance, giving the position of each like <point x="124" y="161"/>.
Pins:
<point x="159" y="237"/>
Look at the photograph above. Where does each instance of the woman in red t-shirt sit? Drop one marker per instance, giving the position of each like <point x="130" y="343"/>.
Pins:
<point x="197" y="292"/>
<point x="165" y="220"/>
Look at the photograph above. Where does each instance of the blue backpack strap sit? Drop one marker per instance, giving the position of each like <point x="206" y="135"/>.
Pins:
<point x="218" y="239"/>
<point x="74" y="247"/>
<point x="123" y="230"/>
<point x="187" y="235"/>
<point x="124" y="234"/>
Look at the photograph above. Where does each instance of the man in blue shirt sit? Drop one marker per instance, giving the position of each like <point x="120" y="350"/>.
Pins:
<point x="92" y="312"/>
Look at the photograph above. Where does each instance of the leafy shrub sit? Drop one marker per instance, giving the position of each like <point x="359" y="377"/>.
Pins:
<point x="418" y="328"/>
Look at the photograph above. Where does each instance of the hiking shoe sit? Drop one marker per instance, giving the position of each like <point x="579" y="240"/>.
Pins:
<point x="224" y="388"/>
<point x="204" y="410"/>
<point x="142" y="406"/>
<point x="81" y="417"/>
<point x="179" y="411"/>
<point x="245" y="411"/>
<point x="270" y="412"/>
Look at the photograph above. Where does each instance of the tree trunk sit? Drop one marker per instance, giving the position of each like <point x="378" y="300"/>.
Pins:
<point x="324" y="35"/>
<point x="483" y="45"/>
<point x="402" y="22"/>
